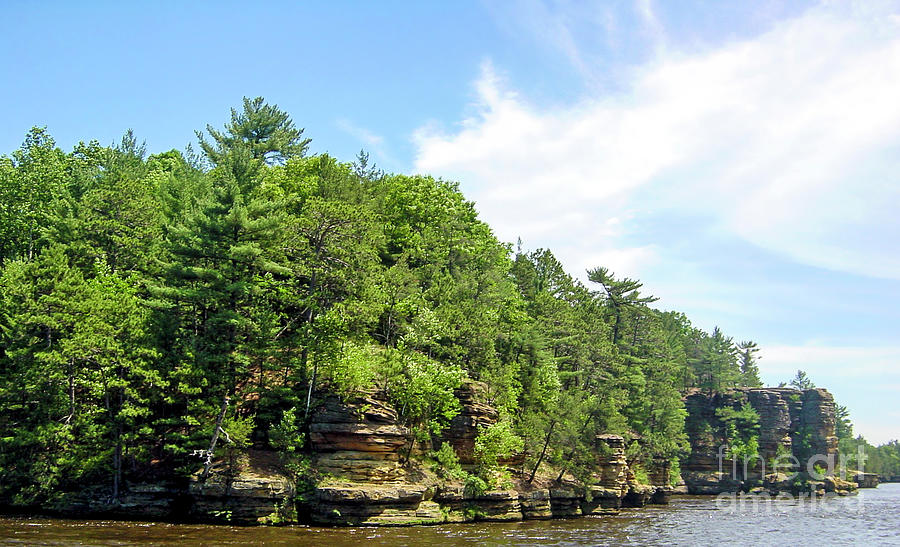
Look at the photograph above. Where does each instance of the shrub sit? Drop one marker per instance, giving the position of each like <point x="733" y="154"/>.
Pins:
<point x="447" y="463"/>
<point x="237" y="432"/>
<point x="353" y="369"/>
<point x="493" y="443"/>
<point x="640" y="474"/>
<point x="674" y="471"/>
<point x="286" y="436"/>
<point x="475" y="486"/>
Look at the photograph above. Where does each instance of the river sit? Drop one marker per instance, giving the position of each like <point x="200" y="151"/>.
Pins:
<point x="870" y="518"/>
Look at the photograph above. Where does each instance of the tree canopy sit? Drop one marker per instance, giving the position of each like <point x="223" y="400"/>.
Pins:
<point x="146" y="295"/>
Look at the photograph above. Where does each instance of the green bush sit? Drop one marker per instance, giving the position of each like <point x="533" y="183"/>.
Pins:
<point x="818" y="472"/>
<point x="422" y="389"/>
<point x="493" y="443"/>
<point x="475" y="486"/>
<point x="353" y="369"/>
<point x="447" y="463"/>
<point x="236" y="435"/>
<point x="640" y="474"/>
<point x="286" y="436"/>
<point x="674" y="471"/>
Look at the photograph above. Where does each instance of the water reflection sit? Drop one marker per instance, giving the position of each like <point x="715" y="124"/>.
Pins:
<point x="871" y="518"/>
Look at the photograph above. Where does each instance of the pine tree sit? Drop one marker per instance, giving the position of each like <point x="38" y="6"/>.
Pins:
<point x="747" y="351"/>
<point x="802" y="381"/>
<point x="77" y="376"/>
<point x="621" y="294"/>
<point x="260" y="133"/>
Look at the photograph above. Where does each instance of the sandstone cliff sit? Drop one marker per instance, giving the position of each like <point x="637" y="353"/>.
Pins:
<point x="794" y="427"/>
<point x="363" y="450"/>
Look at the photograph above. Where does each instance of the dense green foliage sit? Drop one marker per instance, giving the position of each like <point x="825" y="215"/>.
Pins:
<point x="741" y="433"/>
<point x="141" y="292"/>
<point x="857" y="453"/>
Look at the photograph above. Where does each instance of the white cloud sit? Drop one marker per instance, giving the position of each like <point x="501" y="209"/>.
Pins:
<point x="785" y="140"/>
<point x="360" y="133"/>
<point x="834" y="361"/>
<point x="619" y="261"/>
<point x="864" y="378"/>
<point x="372" y="143"/>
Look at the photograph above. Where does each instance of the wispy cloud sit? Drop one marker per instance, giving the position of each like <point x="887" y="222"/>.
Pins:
<point x="864" y="378"/>
<point x="360" y="133"/>
<point x="784" y="140"/>
<point x="371" y="142"/>
<point x="552" y="23"/>
<point x="651" y="24"/>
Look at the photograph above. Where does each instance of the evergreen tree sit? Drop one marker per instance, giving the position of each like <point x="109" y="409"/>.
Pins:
<point x="747" y="351"/>
<point x="32" y="182"/>
<point x="622" y="295"/>
<point x="259" y="134"/>
<point x="802" y="381"/>
<point x="77" y="377"/>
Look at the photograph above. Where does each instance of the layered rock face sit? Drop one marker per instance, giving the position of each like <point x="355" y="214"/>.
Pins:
<point x="464" y="427"/>
<point x="816" y="424"/>
<point x="792" y="423"/>
<point x="361" y="445"/>
<point x="363" y="452"/>
<point x="358" y="440"/>
<point x="258" y="491"/>
<point x="611" y="484"/>
<point x="775" y="420"/>
<point x="866" y="480"/>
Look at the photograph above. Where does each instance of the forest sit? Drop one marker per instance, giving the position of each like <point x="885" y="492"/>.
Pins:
<point x="147" y="298"/>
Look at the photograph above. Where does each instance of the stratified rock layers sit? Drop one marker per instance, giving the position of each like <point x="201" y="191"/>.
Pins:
<point x="359" y="441"/>
<point x="361" y="445"/>
<point x="366" y="456"/>
<point x="793" y="424"/>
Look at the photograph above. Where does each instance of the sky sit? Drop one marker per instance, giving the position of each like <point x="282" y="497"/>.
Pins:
<point x="742" y="159"/>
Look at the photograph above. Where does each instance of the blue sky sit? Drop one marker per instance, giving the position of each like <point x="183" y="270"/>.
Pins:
<point x="739" y="158"/>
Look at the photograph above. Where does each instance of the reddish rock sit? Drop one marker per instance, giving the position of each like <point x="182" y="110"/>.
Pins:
<point x="358" y="440"/>
<point x="474" y="414"/>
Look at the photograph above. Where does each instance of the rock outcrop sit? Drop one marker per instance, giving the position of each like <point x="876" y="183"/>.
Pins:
<point x="794" y="424"/>
<point x="358" y="440"/>
<point x="474" y="415"/>
<point x="258" y="490"/>
<point x="365" y="476"/>
<point x="146" y="501"/>
<point x="815" y="430"/>
<point x="865" y="480"/>
<point x="611" y="480"/>
<point x="360" y="445"/>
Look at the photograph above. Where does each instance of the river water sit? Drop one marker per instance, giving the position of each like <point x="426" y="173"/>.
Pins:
<point x="870" y="518"/>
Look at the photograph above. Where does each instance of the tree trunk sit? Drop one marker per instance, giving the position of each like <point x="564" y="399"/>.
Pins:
<point x="215" y="438"/>
<point x="572" y="452"/>
<point x="543" y="452"/>
<point x="117" y="464"/>
<point x="310" y="316"/>
<point x="117" y="456"/>
<point x="312" y="383"/>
